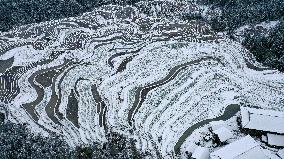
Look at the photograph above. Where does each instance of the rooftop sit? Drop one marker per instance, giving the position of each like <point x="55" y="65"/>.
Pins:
<point x="244" y="148"/>
<point x="280" y="153"/>
<point x="275" y="140"/>
<point x="201" y="153"/>
<point x="263" y="120"/>
<point x="223" y="134"/>
<point x="217" y="124"/>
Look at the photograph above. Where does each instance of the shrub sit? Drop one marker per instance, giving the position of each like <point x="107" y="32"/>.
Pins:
<point x="17" y="142"/>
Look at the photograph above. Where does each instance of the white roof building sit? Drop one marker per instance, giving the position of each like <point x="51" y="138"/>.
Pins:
<point x="280" y="153"/>
<point x="201" y="153"/>
<point x="223" y="134"/>
<point x="263" y="120"/>
<point x="275" y="140"/>
<point x="217" y="124"/>
<point x="245" y="148"/>
<point x="220" y="129"/>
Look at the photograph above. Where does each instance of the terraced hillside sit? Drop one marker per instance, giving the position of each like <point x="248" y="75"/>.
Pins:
<point x="116" y="69"/>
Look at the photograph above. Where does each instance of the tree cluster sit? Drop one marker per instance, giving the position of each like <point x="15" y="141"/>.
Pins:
<point x="17" y="142"/>
<point x="117" y="147"/>
<point x="19" y="12"/>
<point x="268" y="50"/>
<point x="236" y="13"/>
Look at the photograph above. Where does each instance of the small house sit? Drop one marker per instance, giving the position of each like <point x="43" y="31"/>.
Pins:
<point x="220" y="131"/>
<point x="244" y="148"/>
<point x="261" y="120"/>
<point x="214" y="125"/>
<point x="201" y="153"/>
<point x="268" y="124"/>
<point x="275" y="140"/>
<point x="223" y="134"/>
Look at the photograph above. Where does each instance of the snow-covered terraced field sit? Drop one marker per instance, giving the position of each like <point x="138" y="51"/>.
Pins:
<point x="115" y="69"/>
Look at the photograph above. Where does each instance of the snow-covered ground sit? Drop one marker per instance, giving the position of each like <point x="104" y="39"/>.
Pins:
<point x="180" y="73"/>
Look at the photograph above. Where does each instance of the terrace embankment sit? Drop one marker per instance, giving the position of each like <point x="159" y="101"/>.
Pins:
<point x="153" y="79"/>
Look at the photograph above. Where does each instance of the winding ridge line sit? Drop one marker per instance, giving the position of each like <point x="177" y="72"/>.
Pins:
<point x="30" y="107"/>
<point x="8" y="86"/>
<point x="229" y="112"/>
<point x="72" y="106"/>
<point x="123" y="64"/>
<point x="251" y="66"/>
<point x="109" y="61"/>
<point x="52" y="108"/>
<point x="6" y="64"/>
<point x="142" y="92"/>
<point x="7" y="47"/>
<point x="11" y="77"/>
<point x="72" y="109"/>
<point x="101" y="108"/>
